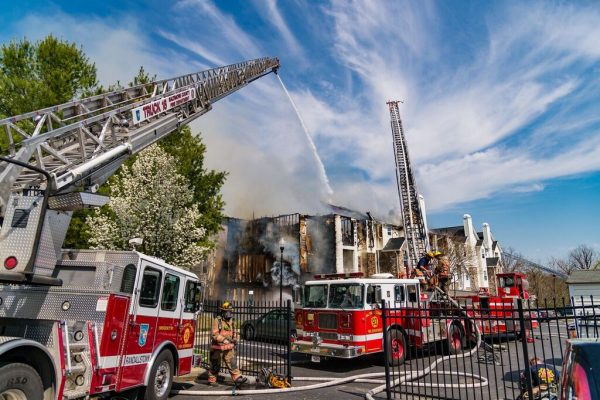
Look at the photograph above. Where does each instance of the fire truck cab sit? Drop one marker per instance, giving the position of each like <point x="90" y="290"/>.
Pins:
<point x="120" y="320"/>
<point x="340" y="315"/>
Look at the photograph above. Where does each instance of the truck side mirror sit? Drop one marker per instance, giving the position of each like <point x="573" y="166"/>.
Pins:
<point x="197" y="299"/>
<point x="296" y="293"/>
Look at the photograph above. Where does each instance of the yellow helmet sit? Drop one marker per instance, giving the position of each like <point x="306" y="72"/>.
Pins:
<point x="437" y="253"/>
<point x="430" y="254"/>
<point x="226" y="306"/>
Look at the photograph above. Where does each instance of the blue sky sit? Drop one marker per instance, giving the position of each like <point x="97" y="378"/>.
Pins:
<point x="501" y="112"/>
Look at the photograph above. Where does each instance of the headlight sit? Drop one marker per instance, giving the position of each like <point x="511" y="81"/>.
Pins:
<point x="345" y="337"/>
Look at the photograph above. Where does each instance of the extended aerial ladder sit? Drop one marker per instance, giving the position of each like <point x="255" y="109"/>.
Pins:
<point x="65" y="152"/>
<point x="411" y="207"/>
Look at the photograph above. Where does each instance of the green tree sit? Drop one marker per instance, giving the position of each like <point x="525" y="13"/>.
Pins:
<point x="151" y="200"/>
<point x="41" y="74"/>
<point x="206" y="185"/>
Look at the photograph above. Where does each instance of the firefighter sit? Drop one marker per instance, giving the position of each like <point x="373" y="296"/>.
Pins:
<point x="544" y="381"/>
<point x="423" y="269"/>
<point x="442" y="269"/>
<point x="224" y="339"/>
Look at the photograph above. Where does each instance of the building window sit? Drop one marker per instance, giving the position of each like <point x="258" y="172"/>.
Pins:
<point x="485" y="276"/>
<point x="389" y="230"/>
<point x="347" y="232"/>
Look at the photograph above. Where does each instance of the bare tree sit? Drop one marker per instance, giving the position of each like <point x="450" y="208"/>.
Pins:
<point x="513" y="264"/>
<point x="462" y="260"/>
<point x="583" y="257"/>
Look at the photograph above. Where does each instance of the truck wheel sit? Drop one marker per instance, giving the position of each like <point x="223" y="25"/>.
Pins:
<point x="20" y="382"/>
<point x="396" y="347"/>
<point x="249" y="332"/>
<point x="161" y="377"/>
<point x="455" y="339"/>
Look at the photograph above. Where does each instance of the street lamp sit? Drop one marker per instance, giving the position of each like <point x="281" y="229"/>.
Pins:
<point x="281" y="247"/>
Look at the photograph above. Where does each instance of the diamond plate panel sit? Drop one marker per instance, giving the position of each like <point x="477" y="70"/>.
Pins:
<point x="76" y="201"/>
<point x="45" y="304"/>
<point x="107" y="277"/>
<point x="18" y="242"/>
<point x="39" y="331"/>
<point x="56" y="224"/>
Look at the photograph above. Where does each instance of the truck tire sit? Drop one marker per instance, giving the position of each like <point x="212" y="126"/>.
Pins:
<point x="396" y="347"/>
<point x="161" y="377"/>
<point x="455" y="339"/>
<point x="20" y="382"/>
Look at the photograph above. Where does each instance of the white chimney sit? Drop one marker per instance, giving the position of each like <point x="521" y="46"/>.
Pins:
<point x="469" y="231"/>
<point x="487" y="237"/>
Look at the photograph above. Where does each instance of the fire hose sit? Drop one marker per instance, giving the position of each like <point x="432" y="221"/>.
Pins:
<point x="406" y="378"/>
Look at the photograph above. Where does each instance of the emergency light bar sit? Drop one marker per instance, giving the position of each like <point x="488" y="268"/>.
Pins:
<point x="340" y="276"/>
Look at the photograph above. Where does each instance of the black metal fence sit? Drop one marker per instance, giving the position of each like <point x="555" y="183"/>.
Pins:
<point x="263" y="331"/>
<point x="466" y="350"/>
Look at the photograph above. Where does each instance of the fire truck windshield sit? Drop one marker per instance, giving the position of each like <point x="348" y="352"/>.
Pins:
<point x="315" y="296"/>
<point x="348" y="295"/>
<point x="507" y="281"/>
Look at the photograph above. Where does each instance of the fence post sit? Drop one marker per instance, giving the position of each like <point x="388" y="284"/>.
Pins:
<point x="386" y="350"/>
<point x="525" y="349"/>
<point x="289" y="342"/>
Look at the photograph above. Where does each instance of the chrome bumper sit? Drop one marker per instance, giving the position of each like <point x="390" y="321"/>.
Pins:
<point x="327" y="349"/>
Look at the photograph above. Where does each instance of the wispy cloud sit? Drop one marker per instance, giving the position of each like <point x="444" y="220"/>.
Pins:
<point x="275" y="17"/>
<point x="117" y="45"/>
<point x="506" y="109"/>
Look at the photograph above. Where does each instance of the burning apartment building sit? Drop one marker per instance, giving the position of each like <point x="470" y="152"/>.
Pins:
<point x="252" y="255"/>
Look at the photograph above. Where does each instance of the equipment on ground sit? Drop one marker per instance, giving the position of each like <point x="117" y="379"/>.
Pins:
<point x="81" y="323"/>
<point x="266" y="378"/>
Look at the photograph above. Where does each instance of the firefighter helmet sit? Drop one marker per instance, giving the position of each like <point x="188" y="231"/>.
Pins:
<point x="226" y="306"/>
<point x="226" y="310"/>
<point x="437" y="254"/>
<point x="430" y="254"/>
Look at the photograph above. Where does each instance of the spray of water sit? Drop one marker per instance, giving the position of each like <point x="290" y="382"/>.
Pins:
<point x="324" y="178"/>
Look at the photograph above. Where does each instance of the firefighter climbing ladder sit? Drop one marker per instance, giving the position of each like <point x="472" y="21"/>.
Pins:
<point x="413" y="219"/>
<point x="80" y="144"/>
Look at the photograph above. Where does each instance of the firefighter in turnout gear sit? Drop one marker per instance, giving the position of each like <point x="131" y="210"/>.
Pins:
<point x="224" y="339"/>
<point x="442" y="270"/>
<point x="423" y="270"/>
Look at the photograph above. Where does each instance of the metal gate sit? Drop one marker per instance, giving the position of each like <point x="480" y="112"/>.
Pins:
<point x="263" y="331"/>
<point x="471" y="354"/>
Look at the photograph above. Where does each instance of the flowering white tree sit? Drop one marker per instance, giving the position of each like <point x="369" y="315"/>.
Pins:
<point x="151" y="200"/>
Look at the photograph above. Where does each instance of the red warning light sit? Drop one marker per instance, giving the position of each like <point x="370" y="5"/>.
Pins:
<point x="10" y="262"/>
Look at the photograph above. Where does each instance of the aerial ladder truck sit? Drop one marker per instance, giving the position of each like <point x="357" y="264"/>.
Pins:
<point x="83" y="323"/>
<point x="493" y="314"/>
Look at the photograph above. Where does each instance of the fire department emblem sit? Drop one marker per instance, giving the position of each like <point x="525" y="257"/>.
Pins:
<point x="143" y="334"/>
<point x="374" y="322"/>
<point x="186" y="335"/>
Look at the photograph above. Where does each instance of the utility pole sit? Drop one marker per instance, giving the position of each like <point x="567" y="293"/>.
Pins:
<point x="281" y="247"/>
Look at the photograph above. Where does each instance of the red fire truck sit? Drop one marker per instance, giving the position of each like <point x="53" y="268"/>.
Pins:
<point x="497" y="314"/>
<point x="340" y="316"/>
<point x="92" y="323"/>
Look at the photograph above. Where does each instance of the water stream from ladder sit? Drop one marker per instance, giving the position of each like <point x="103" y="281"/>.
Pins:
<point x="323" y="173"/>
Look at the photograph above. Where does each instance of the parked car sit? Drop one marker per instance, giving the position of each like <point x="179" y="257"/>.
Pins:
<point x="546" y="315"/>
<point x="272" y="326"/>
<point x="581" y="363"/>
<point x="564" y="311"/>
